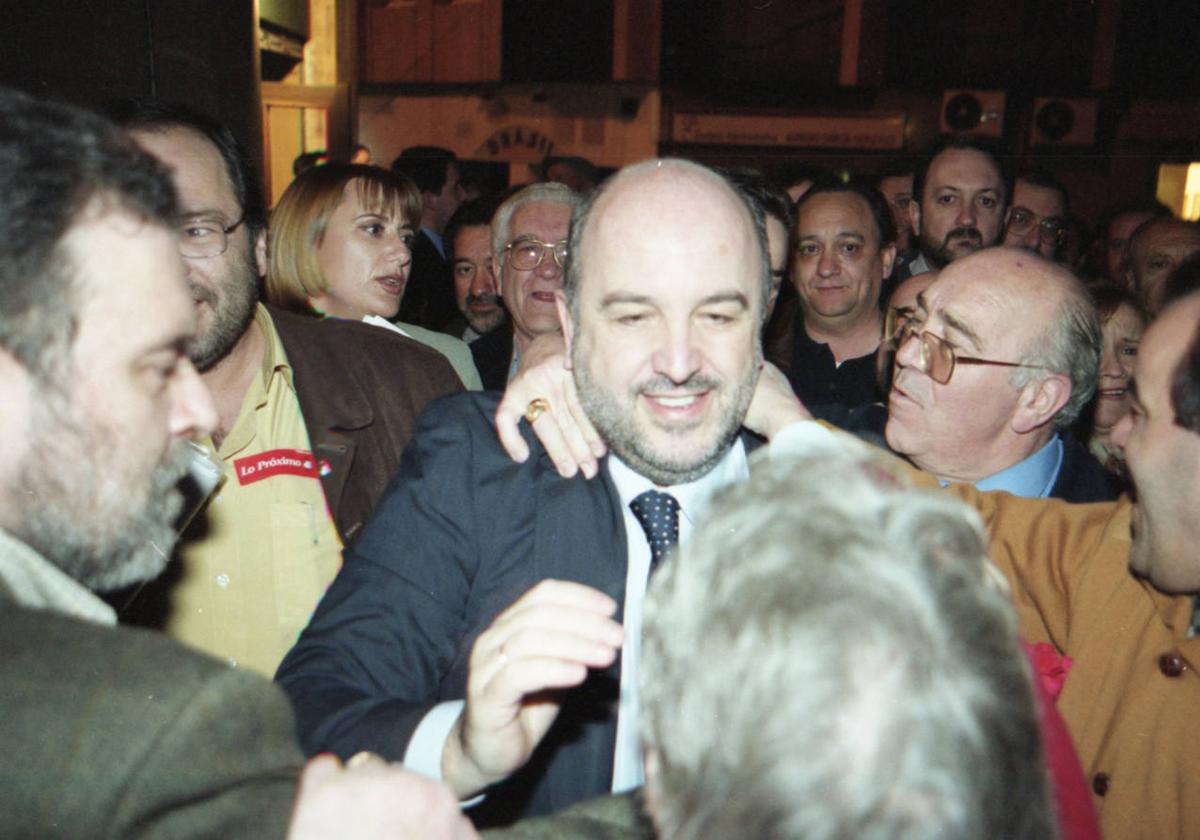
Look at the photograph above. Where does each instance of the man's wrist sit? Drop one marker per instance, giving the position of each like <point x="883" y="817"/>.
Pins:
<point x="460" y="773"/>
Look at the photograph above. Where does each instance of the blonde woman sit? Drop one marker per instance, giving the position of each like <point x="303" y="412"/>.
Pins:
<point x="340" y="246"/>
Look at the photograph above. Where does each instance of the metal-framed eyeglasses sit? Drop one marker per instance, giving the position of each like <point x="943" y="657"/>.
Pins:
<point x="939" y="359"/>
<point x="201" y="238"/>
<point x="528" y="254"/>
<point x="1021" y="222"/>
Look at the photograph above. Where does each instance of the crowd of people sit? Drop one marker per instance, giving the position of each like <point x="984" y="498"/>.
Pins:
<point x="678" y="503"/>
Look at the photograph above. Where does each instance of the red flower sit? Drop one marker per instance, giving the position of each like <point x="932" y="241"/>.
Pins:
<point x="1049" y="666"/>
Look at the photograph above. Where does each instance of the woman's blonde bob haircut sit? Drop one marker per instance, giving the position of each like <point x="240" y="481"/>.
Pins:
<point x="299" y="221"/>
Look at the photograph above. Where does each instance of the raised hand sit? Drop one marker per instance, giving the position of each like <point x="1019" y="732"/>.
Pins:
<point x="540" y="646"/>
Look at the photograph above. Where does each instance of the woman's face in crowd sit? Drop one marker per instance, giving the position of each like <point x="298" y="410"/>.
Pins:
<point x="365" y="257"/>
<point x="1121" y="334"/>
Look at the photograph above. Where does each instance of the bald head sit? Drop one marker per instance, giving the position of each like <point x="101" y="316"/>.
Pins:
<point x="668" y="205"/>
<point x="1156" y="250"/>
<point x="1002" y="305"/>
<point x="666" y="283"/>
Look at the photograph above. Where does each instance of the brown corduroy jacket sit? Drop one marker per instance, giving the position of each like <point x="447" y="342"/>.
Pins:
<point x="360" y="389"/>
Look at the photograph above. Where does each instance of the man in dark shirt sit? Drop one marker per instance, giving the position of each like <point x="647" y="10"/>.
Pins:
<point x="844" y="250"/>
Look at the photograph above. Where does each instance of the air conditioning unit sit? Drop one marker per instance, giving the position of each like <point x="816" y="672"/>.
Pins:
<point x="978" y="112"/>
<point x="1064" y="122"/>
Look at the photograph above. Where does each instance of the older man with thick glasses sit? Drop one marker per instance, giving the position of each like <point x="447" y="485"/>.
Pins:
<point x="995" y="363"/>
<point x="529" y="249"/>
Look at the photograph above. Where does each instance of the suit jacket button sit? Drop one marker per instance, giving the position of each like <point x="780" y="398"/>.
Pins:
<point x="1171" y="664"/>
<point x="1100" y="784"/>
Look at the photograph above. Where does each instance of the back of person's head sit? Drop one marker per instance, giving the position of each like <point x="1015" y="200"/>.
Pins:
<point x="425" y="166"/>
<point x="900" y="166"/>
<point x="300" y="219"/>
<point x="153" y="115"/>
<point x="793" y="176"/>
<point x="831" y="656"/>
<point x="307" y="160"/>
<point x="758" y="188"/>
<point x="991" y="150"/>
<point x="58" y="164"/>
<point x="582" y="175"/>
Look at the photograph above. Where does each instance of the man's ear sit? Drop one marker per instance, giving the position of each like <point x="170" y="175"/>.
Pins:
<point x="1040" y="401"/>
<point x="914" y="213"/>
<point x="564" y="320"/>
<point x="260" y="252"/>
<point x="888" y="257"/>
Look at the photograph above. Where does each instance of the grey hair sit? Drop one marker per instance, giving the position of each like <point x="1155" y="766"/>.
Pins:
<point x="1070" y="346"/>
<point x="826" y="659"/>
<point x="551" y="192"/>
<point x="59" y="163"/>
<point x="573" y="270"/>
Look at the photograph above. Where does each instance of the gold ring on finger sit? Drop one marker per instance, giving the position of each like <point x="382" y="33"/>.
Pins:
<point x="536" y="408"/>
<point x="364" y="757"/>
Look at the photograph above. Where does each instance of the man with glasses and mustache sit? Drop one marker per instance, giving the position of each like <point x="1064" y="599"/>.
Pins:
<point x="995" y="363"/>
<point x="529" y="238"/>
<point x="960" y="192"/>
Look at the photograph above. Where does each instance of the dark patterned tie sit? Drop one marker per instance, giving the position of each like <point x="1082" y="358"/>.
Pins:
<point x="658" y="514"/>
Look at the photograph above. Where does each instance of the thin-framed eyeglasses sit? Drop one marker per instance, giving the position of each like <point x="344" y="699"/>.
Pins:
<point x="201" y="238"/>
<point x="939" y="359"/>
<point x="1021" y="221"/>
<point x="527" y="254"/>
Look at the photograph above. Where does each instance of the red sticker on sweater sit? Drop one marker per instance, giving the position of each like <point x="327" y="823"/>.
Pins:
<point x="254" y="468"/>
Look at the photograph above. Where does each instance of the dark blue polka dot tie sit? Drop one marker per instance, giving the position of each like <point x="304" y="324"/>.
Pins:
<point x="658" y="514"/>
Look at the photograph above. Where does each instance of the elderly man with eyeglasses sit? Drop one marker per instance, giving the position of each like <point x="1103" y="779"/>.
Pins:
<point x="992" y="367"/>
<point x="529" y="249"/>
<point x="1037" y="216"/>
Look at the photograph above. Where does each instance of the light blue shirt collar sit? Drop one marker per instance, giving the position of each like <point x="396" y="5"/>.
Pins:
<point x="1032" y="478"/>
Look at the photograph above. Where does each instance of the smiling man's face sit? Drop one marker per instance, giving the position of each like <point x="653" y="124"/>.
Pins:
<point x="224" y="287"/>
<point x="839" y="263"/>
<point x="664" y="342"/>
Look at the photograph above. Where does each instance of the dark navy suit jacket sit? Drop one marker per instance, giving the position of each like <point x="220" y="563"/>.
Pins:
<point x="460" y="534"/>
<point x="492" y="354"/>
